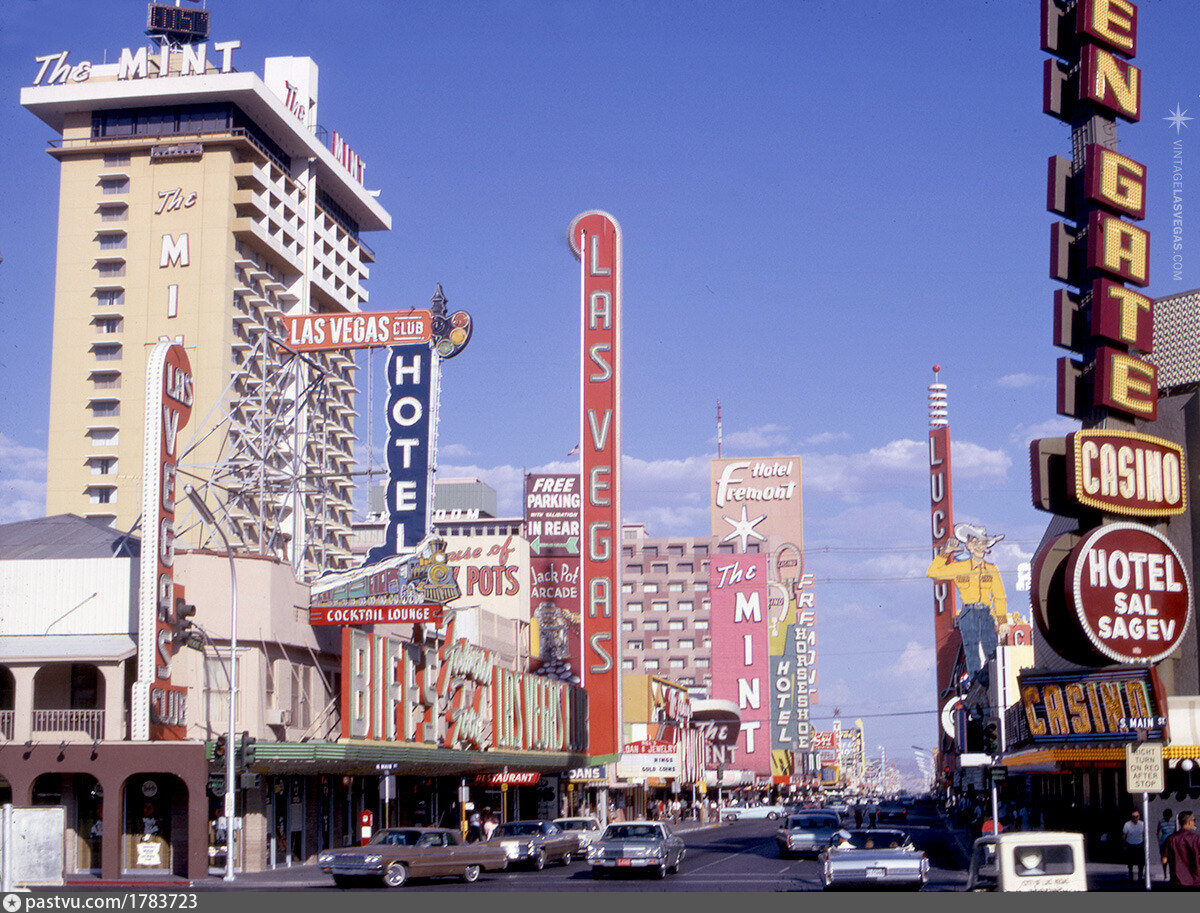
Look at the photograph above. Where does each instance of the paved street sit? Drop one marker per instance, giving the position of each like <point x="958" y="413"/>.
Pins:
<point x="741" y="856"/>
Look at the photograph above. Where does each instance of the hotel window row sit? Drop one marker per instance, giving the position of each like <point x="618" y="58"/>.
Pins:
<point x="108" y="264"/>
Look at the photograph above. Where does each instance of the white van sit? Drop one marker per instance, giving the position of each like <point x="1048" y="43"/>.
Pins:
<point x="1028" y="861"/>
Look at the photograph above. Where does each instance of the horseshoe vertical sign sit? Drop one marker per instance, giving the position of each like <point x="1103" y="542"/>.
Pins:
<point x="596" y="240"/>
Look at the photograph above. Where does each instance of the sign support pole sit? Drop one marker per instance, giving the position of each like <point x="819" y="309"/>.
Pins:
<point x="1146" y="837"/>
<point x="995" y="802"/>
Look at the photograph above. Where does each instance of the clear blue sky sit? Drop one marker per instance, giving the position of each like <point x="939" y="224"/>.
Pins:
<point x="819" y="200"/>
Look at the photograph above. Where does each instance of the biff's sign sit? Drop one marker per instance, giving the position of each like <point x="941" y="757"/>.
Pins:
<point x="1126" y="473"/>
<point x="1130" y="591"/>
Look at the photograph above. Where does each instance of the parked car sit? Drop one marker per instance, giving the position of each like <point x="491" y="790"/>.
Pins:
<point x="586" y="829"/>
<point x="806" y="832"/>
<point x="876" y="857"/>
<point x="752" y="812"/>
<point x="1028" y="861"/>
<point x="841" y="809"/>
<point x="535" y="843"/>
<point x="636" y="845"/>
<point x="394" y="855"/>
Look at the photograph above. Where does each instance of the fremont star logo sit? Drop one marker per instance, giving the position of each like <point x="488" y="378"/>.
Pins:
<point x="743" y="529"/>
<point x="1178" y="119"/>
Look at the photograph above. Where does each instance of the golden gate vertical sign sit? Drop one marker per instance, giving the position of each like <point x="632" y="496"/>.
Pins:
<point x="596" y="240"/>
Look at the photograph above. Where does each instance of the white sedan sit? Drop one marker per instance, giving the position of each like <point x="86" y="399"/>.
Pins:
<point x="586" y="828"/>
<point x="752" y="812"/>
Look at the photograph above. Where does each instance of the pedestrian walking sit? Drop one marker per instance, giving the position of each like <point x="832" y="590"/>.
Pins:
<point x="858" y="815"/>
<point x="872" y="814"/>
<point x="1133" y="838"/>
<point x="474" y="827"/>
<point x="1181" y="854"/>
<point x="1166" y="827"/>
<point x="489" y="824"/>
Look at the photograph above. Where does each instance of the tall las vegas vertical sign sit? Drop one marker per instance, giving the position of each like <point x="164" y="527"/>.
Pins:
<point x="596" y="240"/>
<point x="1109" y="590"/>
<point x="158" y="708"/>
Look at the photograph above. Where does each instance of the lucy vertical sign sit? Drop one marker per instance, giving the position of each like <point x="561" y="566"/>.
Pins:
<point x="596" y="240"/>
<point x="941" y="527"/>
<point x="159" y="710"/>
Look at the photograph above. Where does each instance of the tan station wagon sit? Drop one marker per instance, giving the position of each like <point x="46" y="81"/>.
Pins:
<point x="397" y="854"/>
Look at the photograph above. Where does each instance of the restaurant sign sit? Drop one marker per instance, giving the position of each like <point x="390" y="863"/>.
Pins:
<point x="508" y="778"/>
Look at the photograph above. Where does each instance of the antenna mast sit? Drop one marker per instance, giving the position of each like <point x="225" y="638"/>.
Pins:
<point x="718" y="429"/>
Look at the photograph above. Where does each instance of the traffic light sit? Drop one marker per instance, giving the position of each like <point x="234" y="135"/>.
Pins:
<point x="219" y="749"/>
<point x="991" y="736"/>
<point x="182" y="623"/>
<point x="245" y="752"/>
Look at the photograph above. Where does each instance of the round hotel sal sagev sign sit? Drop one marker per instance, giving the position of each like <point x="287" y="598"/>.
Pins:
<point x="1130" y="591"/>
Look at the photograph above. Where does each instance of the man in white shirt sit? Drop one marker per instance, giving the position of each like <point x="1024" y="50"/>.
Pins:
<point x="1133" y="835"/>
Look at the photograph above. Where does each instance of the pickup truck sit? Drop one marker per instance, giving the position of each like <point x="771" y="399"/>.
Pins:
<point x="1028" y="861"/>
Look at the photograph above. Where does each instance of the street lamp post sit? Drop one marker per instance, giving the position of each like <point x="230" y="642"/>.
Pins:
<point x="231" y="742"/>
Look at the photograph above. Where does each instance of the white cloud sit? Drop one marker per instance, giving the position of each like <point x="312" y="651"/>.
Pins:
<point x="454" y="451"/>
<point x="825" y="437"/>
<point x="916" y="660"/>
<point x="669" y="496"/>
<point x="756" y="441"/>
<point x="1016" y="381"/>
<point x="898" y="463"/>
<point x="22" y="481"/>
<point x="1053" y="427"/>
<point x="508" y="481"/>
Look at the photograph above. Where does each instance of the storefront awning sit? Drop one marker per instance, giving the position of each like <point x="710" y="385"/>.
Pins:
<point x="67" y="647"/>
<point x="369" y="757"/>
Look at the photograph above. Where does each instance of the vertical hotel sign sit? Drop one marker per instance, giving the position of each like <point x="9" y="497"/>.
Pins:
<point x="595" y="239"/>
<point x="159" y="709"/>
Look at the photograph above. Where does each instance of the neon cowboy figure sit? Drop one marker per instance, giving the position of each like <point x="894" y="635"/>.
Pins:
<point x="980" y="591"/>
